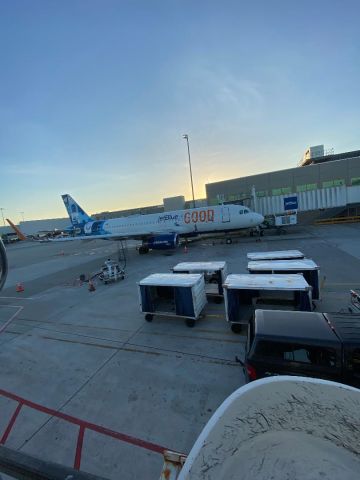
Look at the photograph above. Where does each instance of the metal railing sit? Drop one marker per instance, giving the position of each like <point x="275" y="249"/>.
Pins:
<point x="25" y="467"/>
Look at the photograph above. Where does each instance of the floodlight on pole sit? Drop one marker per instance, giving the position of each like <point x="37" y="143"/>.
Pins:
<point x="22" y="215"/>
<point x="186" y="137"/>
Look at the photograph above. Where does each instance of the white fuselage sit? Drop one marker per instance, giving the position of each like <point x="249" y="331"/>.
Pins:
<point x="182" y="222"/>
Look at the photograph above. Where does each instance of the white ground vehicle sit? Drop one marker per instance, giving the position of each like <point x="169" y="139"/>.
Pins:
<point x="111" y="272"/>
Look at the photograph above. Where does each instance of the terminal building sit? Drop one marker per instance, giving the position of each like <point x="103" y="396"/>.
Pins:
<point x="323" y="185"/>
<point x="328" y="182"/>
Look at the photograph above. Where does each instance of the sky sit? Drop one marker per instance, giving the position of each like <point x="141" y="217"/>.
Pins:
<point x="95" y="95"/>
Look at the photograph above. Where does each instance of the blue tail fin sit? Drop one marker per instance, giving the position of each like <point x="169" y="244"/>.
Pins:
<point x="76" y="213"/>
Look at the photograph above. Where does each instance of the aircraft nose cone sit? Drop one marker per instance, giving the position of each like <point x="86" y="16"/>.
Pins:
<point x="260" y="218"/>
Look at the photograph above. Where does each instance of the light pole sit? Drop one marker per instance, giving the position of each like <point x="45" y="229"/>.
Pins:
<point x="191" y="178"/>
<point x="2" y="214"/>
<point x="22" y="214"/>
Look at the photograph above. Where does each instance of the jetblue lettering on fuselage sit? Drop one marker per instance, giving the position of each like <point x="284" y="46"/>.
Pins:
<point x="165" y="218"/>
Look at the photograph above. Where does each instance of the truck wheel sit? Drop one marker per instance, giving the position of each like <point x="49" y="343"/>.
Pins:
<point x="149" y="317"/>
<point x="228" y="241"/>
<point x="190" y="322"/>
<point x="236" y="328"/>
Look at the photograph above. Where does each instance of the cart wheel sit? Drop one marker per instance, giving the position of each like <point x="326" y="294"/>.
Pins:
<point x="218" y="299"/>
<point x="149" y="317"/>
<point x="236" y="327"/>
<point x="190" y="322"/>
<point x="228" y="241"/>
<point x="122" y="277"/>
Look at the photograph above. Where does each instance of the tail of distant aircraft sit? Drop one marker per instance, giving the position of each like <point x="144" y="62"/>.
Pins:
<point x="18" y="232"/>
<point x="76" y="213"/>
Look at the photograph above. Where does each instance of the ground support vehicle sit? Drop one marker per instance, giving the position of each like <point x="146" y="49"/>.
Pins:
<point x="307" y="267"/>
<point x="244" y="293"/>
<point x="309" y="344"/>
<point x="215" y="274"/>
<point x="111" y="272"/>
<point x="173" y="295"/>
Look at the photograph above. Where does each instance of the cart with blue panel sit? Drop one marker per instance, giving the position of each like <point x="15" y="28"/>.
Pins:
<point x="173" y="295"/>
<point x="215" y="274"/>
<point x="243" y="293"/>
<point x="307" y="267"/>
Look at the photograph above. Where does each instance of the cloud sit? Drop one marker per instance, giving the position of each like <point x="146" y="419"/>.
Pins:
<point x="220" y="93"/>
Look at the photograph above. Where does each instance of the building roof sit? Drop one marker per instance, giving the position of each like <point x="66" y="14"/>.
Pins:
<point x="330" y="158"/>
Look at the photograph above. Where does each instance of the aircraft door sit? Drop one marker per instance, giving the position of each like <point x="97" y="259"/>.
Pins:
<point x="225" y="214"/>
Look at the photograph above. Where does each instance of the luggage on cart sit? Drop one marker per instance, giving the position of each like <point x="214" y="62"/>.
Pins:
<point x="173" y="295"/>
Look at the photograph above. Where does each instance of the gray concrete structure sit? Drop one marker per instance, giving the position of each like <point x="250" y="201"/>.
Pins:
<point x="32" y="227"/>
<point x="174" y="203"/>
<point x="326" y="172"/>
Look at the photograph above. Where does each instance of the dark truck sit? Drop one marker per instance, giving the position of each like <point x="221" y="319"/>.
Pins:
<point x="307" y="344"/>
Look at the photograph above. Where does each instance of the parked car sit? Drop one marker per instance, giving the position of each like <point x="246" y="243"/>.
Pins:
<point x="308" y="344"/>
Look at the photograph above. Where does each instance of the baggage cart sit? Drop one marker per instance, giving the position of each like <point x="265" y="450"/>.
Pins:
<point x="276" y="255"/>
<point x="173" y="295"/>
<point x="215" y="274"/>
<point x="307" y="267"/>
<point x="243" y="293"/>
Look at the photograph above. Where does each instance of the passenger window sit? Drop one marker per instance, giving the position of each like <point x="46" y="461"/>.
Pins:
<point x="321" y="356"/>
<point x="241" y="212"/>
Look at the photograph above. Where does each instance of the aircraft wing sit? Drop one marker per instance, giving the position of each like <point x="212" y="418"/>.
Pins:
<point x="106" y="236"/>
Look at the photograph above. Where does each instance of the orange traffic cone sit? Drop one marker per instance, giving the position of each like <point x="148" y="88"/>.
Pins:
<point x="91" y="286"/>
<point x="19" y="287"/>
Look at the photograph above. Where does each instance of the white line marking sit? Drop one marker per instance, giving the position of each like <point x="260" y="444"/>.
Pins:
<point x="18" y="298"/>
<point x="6" y="324"/>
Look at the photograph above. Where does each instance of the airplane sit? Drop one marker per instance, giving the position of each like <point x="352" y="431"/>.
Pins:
<point x="160" y="231"/>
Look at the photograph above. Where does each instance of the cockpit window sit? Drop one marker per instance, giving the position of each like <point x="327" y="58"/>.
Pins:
<point x="246" y="211"/>
<point x="241" y="212"/>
